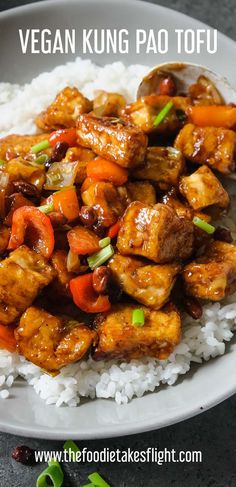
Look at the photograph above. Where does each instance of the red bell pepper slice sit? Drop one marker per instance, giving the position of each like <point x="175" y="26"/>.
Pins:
<point x="85" y="297"/>
<point x="64" y="135"/>
<point x="40" y="231"/>
<point x="114" y="230"/>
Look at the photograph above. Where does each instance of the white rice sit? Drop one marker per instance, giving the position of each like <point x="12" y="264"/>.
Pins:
<point x="201" y="340"/>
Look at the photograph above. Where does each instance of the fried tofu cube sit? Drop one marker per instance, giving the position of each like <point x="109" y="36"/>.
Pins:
<point x="183" y="210"/>
<point x="212" y="146"/>
<point x="118" y="338"/>
<point x="108" y="104"/>
<point x="51" y="342"/>
<point x="105" y="198"/>
<point x="156" y="233"/>
<point x="119" y="142"/>
<point x="142" y="191"/>
<point x="164" y="165"/>
<point x="143" y="113"/>
<point x="202" y="189"/>
<point x="213" y="275"/>
<point x="22" y="276"/>
<point x="150" y="284"/>
<point x="64" y="110"/>
<point x="13" y="146"/>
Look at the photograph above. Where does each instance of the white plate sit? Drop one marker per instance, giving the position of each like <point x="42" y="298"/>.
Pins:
<point x="25" y="413"/>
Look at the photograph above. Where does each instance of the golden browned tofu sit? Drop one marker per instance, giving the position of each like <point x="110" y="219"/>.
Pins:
<point x="13" y="146"/>
<point x="164" y="165"/>
<point x="108" y="104"/>
<point x="208" y="145"/>
<point x="142" y="191"/>
<point x="4" y="237"/>
<point x="150" y="284"/>
<point x="183" y="210"/>
<point x="61" y="284"/>
<point x="22" y="276"/>
<point x="109" y="138"/>
<point x="144" y="111"/>
<point x="118" y="338"/>
<point x="64" y="110"/>
<point x="213" y="275"/>
<point x="20" y="169"/>
<point x="202" y="189"/>
<point x="51" y="342"/>
<point x="106" y="200"/>
<point x="156" y="233"/>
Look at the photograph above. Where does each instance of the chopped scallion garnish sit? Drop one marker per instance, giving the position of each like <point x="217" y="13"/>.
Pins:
<point x="69" y="444"/>
<point x="46" y="208"/>
<point x="203" y="225"/>
<point x="104" y="242"/>
<point x="97" y="259"/>
<point x="89" y="485"/>
<point x="2" y="162"/>
<point x="162" y="114"/>
<point x="41" y="159"/>
<point x="55" y="463"/>
<point x="54" y="473"/>
<point x="138" y="318"/>
<point x="40" y="146"/>
<point x="97" y="480"/>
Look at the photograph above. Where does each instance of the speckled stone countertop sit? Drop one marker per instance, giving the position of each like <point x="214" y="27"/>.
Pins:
<point x="212" y="432"/>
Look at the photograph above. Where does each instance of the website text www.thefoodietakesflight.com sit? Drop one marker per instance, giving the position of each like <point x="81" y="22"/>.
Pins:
<point x="107" y="455"/>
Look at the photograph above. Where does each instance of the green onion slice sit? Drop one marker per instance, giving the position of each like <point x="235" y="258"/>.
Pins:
<point x="55" y="463"/>
<point x="97" y="480"/>
<point x="203" y="225"/>
<point x="69" y="444"/>
<point x="54" y="473"/>
<point x="46" y="208"/>
<point x="41" y="159"/>
<point x="138" y="318"/>
<point x="89" y="485"/>
<point x="2" y="162"/>
<point x="104" y="242"/>
<point x="162" y="114"/>
<point x="40" y="146"/>
<point x="97" y="259"/>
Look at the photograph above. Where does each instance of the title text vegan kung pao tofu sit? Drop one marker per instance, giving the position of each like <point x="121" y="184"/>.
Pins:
<point x="108" y="217"/>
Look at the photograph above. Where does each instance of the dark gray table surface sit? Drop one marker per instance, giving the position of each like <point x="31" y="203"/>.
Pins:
<point x="212" y="432"/>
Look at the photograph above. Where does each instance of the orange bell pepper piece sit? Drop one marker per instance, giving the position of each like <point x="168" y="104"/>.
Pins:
<point x="66" y="202"/>
<point x="102" y="170"/>
<point x="213" y="115"/>
<point x="7" y="338"/>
